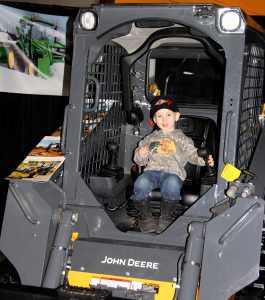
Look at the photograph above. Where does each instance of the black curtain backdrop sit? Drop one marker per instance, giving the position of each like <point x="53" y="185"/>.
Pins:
<point x="24" y="121"/>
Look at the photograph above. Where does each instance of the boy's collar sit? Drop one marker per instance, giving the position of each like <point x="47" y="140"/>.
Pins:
<point x="168" y="131"/>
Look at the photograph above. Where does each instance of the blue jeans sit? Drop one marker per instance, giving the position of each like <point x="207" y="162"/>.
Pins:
<point x="169" y="184"/>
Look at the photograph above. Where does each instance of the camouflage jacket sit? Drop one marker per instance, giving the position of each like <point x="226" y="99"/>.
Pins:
<point x="168" y="152"/>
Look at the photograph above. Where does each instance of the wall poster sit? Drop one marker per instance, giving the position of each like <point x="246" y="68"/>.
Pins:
<point x="33" y="53"/>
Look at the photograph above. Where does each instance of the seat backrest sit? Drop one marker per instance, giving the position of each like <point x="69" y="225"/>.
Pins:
<point x="202" y="131"/>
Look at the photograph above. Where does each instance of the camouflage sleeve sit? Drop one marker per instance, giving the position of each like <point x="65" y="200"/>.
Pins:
<point x="191" y="152"/>
<point x="138" y="159"/>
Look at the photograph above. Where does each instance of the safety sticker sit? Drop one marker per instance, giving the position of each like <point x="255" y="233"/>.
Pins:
<point x="230" y="173"/>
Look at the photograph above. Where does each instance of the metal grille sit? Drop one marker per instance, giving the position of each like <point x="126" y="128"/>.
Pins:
<point x="104" y="123"/>
<point x="252" y="99"/>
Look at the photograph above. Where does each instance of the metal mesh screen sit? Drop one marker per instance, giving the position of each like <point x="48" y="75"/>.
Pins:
<point x="252" y="99"/>
<point x="104" y="123"/>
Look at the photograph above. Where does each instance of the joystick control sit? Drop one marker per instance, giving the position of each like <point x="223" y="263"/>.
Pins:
<point x="203" y="152"/>
<point x="112" y="169"/>
<point x="113" y="150"/>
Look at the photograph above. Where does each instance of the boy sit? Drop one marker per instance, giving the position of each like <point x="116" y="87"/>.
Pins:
<point x="164" y="153"/>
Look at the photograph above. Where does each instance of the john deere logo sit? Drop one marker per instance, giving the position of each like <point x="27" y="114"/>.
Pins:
<point x="130" y="262"/>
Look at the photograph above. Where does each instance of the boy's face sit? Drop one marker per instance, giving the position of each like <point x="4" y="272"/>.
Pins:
<point x="165" y="119"/>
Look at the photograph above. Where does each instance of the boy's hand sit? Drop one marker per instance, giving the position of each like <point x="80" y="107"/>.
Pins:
<point x="210" y="161"/>
<point x="143" y="151"/>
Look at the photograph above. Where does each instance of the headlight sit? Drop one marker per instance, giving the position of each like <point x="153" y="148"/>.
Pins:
<point x="230" y="20"/>
<point x="88" y="20"/>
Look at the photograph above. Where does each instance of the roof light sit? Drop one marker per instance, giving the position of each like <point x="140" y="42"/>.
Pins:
<point x="230" y="20"/>
<point x="88" y="20"/>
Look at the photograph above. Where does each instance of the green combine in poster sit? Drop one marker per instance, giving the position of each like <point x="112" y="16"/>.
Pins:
<point x="33" y="52"/>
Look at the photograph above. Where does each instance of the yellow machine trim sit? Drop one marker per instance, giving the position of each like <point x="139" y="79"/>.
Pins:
<point x="166" y="290"/>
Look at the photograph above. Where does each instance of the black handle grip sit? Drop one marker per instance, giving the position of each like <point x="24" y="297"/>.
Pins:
<point x="203" y="152"/>
<point x="113" y="150"/>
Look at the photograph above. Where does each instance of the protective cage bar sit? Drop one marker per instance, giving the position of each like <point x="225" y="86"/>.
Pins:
<point x="104" y="123"/>
<point x="252" y="98"/>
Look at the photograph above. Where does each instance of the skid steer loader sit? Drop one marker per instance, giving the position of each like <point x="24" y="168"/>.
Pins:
<point x="78" y="231"/>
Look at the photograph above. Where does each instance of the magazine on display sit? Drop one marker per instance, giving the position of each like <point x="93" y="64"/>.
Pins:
<point x="42" y="161"/>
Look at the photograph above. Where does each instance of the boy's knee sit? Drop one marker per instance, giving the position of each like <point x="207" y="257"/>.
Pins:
<point x="142" y="182"/>
<point x="174" y="181"/>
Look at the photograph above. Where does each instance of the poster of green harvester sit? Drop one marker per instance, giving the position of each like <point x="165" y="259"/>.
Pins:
<point x="35" y="45"/>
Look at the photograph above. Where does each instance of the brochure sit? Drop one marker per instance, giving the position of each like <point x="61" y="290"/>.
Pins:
<point x="42" y="161"/>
